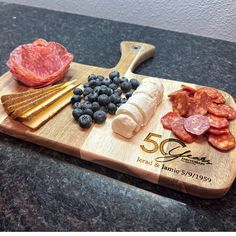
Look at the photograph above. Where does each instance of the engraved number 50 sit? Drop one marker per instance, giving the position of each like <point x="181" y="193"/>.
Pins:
<point x="150" y="139"/>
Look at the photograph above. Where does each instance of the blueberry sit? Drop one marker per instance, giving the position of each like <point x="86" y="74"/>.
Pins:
<point x="104" y="108"/>
<point x="92" y="77"/>
<point x="92" y="97"/>
<point x="103" y="99"/>
<point x="109" y="91"/>
<point x="111" y="108"/>
<point x="88" y="112"/>
<point x="99" y="117"/>
<point x="78" y="91"/>
<point x="98" y="82"/>
<point x="106" y="82"/>
<point x="86" y="85"/>
<point x="76" y="105"/>
<point x="113" y="86"/>
<point x="85" y="121"/>
<point x="95" y="106"/>
<point x="129" y="94"/>
<point x="126" y="86"/>
<point x="116" y="80"/>
<point x="86" y="105"/>
<point x="97" y="89"/>
<point x="75" y="98"/>
<point x="135" y="83"/>
<point x="118" y="92"/>
<point x="86" y="98"/>
<point x="123" y="100"/>
<point x="100" y="77"/>
<point x="103" y="90"/>
<point x="92" y="83"/>
<point x="123" y="79"/>
<point x="77" y="113"/>
<point x="87" y="91"/>
<point x="114" y="74"/>
<point x="114" y="98"/>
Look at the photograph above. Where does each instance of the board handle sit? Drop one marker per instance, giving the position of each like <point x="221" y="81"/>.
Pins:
<point x="133" y="54"/>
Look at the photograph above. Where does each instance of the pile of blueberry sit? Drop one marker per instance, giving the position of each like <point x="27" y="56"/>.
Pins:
<point x="101" y="96"/>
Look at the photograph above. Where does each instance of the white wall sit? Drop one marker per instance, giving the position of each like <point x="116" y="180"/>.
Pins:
<point x="210" y="18"/>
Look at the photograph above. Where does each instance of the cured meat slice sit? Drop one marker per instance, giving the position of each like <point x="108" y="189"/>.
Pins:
<point x="180" y="103"/>
<point x="217" y="110"/>
<point x="212" y="93"/>
<point x="189" y="89"/>
<point x="198" y="106"/>
<point x="224" y="142"/>
<point x="40" y="63"/>
<point x="231" y="112"/>
<point x="219" y="100"/>
<point x="196" y="124"/>
<point x="218" y="122"/>
<point x="168" y="119"/>
<point x="218" y="131"/>
<point x="178" y="129"/>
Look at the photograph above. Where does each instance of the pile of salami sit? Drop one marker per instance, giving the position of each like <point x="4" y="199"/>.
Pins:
<point x="39" y="63"/>
<point x="198" y="112"/>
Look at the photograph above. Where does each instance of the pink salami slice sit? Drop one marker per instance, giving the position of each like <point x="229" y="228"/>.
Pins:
<point x="196" y="124"/>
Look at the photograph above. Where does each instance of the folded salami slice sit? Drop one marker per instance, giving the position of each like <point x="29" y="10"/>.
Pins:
<point x="40" y="63"/>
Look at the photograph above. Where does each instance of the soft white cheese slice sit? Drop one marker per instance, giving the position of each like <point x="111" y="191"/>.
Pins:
<point x="133" y="112"/>
<point x="145" y="104"/>
<point x="124" y="125"/>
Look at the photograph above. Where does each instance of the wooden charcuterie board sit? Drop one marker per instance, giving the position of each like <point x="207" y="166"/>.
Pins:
<point x="154" y="154"/>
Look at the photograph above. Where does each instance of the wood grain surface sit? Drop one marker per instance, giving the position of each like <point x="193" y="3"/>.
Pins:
<point x="205" y="172"/>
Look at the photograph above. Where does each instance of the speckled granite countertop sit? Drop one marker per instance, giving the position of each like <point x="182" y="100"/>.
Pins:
<point x="43" y="190"/>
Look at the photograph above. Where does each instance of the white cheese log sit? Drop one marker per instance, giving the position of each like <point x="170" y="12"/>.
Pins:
<point x="124" y="125"/>
<point x="133" y="112"/>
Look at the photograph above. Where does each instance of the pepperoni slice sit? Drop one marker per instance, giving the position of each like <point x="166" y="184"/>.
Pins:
<point x="220" y="99"/>
<point x="218" y="122"/>
<point x="176" y="93"/>
<point x="189" y="89"/>
<point x="217" y="110"/>
<point x="218" y="131"/>
<point x="178" y="129"/>
<point x="223" y="142"/>
<point x="196" y="124"/>
<point x="180" y="103"/>
<point x="198" y="106"/>
<point x="211" y="92"/>
<point x="231" y="112"/>
<point x="167" y="119"/>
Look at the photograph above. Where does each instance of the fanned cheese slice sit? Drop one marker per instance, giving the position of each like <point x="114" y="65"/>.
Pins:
<point x="42" y="106"/>
<point x="42" y="117"/>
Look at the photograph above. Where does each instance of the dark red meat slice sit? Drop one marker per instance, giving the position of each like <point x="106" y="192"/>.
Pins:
<point x="224" y="142"/>
<point x="218" y="122"/>
<point x="40" y="63"/>
<point x="217" y="110"/>
<point x="167" y="119"/>
<point x="189" y="89"/>
<point x="198" y="106"/>
<point x="196" y="124"/>
<point x="218" y="131"/>
<point x="231" y="112"/>
<point x="178" y="129"/>
<point x="180" y="103"/>
<point x="220" y="99"/>
<point x="212" y="93"/>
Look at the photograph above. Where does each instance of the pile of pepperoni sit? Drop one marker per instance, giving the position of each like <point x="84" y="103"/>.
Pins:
<point x="198" y="112"/>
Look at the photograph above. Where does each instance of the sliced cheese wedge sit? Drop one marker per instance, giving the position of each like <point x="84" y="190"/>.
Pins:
<point x="13" y="98"/>
<point x="41" y="118"/>
<point x="124" y="125"/>
<point x="145" y="104"/>
<point x="133" y="112"/>
<point x="36" y="110"/>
